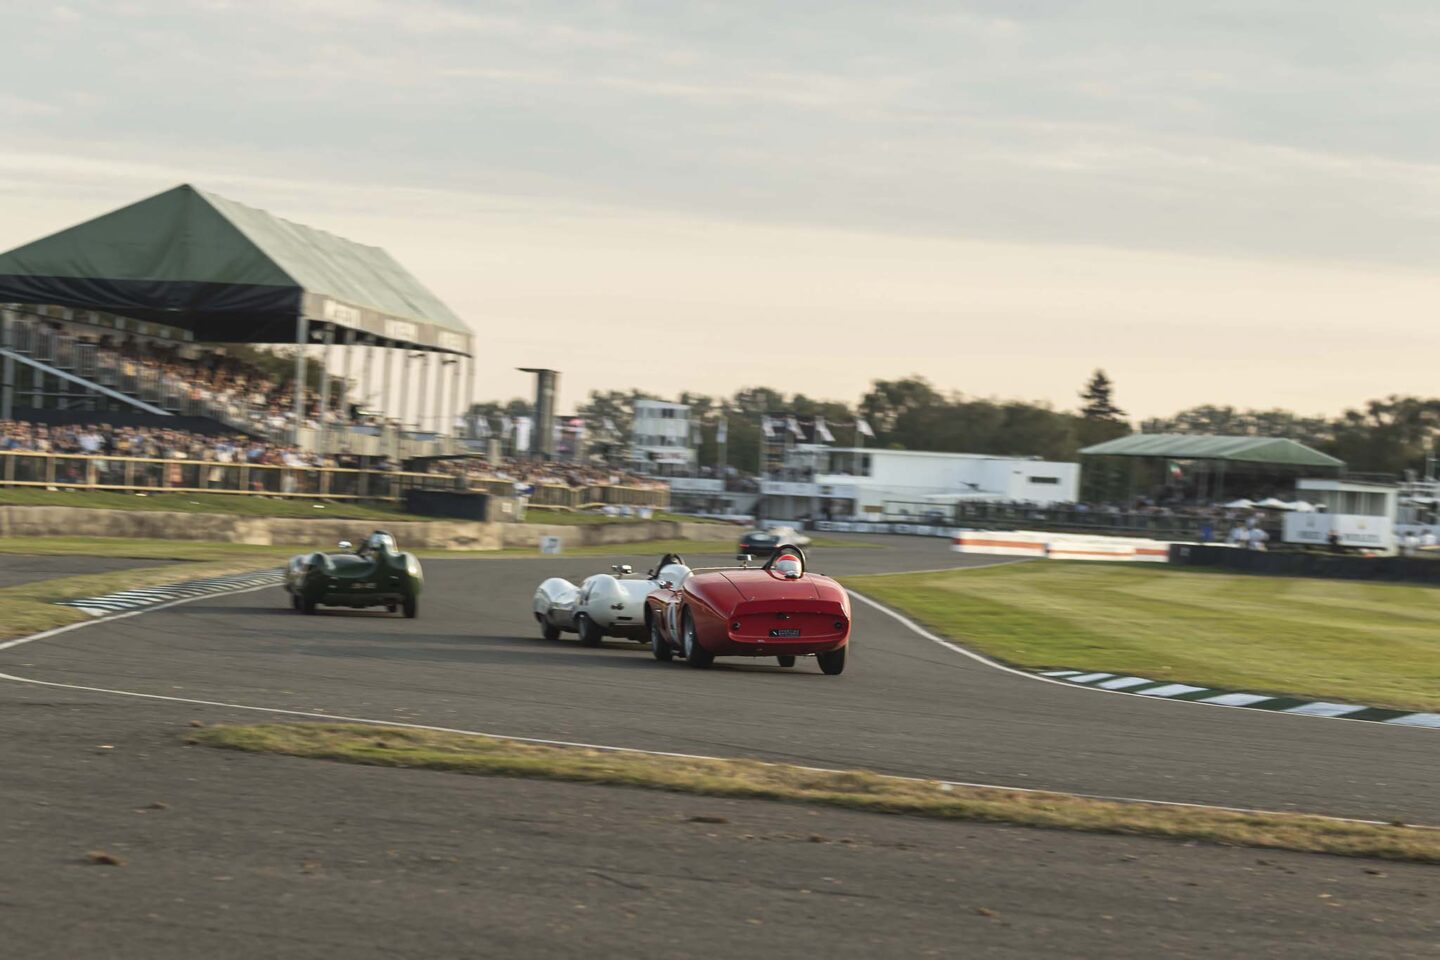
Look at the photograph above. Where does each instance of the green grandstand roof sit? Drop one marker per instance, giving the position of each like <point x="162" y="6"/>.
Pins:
<point x="1276" y="451"/>
<point x="227" y="271"/>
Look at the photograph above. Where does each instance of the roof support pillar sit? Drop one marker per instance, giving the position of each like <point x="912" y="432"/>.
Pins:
<point x="405" y="359"/>
<point x="426" y="400"/>
<point x="347" y="341"/>
<point x="387" y="392"/>
<point x="468" y="388"/>
<point x="7" y="379"/>
<point x="365" y="381"/>
<point x="459" y="365"/>
<point x="324" y="390"/>
<point x="302" y="337"/>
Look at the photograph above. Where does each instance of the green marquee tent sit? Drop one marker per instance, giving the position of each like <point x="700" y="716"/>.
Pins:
<point x="1274" y="451"/>
<point x="229" y="273"/>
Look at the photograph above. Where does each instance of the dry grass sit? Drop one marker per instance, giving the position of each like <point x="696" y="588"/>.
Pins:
<point x="852" y="789"/>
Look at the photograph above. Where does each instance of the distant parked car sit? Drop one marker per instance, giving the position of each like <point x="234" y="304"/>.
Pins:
<point x="758" y="543"/>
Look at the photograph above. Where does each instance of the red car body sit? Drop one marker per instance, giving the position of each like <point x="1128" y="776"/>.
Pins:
<point x="744" y="612"/>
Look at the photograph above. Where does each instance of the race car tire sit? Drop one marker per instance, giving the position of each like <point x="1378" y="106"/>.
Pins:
<point x="590" y="635"/>
<point x="294" y="601"/>
<point x="412" y="607"/>
<point x="786" y="659"/>
<point x="832" y="664"/>
<point x="307" y="607"/>
<point x="695" y="655"/>
<point x="659" y="649"/>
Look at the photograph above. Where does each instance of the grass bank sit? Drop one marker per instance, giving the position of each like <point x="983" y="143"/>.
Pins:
<point x="290" y="507"/>
<point x="30" y="607"/>
<point x="851" y="789"/>
<point x="234" y="504"/>
<point x="1366" y="643"/>
<point x="571" y="518"/>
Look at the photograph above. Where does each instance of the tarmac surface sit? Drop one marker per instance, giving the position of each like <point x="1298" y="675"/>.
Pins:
<point x="278" y="857"/>
<point x="16" y="569"/>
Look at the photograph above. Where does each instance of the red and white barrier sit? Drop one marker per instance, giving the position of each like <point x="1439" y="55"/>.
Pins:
<point x="1062" y="546"/>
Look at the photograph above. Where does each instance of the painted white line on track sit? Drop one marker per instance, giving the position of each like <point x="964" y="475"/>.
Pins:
<point x="340" y="718"/>
<point x="636" y="751"/>
<point x="1430" y="720"/>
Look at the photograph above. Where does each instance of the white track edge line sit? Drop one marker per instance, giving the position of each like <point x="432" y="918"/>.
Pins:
<point x="1064" y="682"/>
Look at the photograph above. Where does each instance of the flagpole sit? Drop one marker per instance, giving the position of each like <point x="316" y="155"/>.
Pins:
<point x="722" y="439"/>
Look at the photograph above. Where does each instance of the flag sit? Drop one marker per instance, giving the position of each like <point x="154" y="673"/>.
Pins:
<point x="822" y="432"/>
<point x="766" y="428"/>
<point x="793" y="426"/>
<point x="864" y="428"/>
<point x="1174" y="470"/>
<point x="722" y="431"/>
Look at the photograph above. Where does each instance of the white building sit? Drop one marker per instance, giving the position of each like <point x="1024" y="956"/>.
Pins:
<point x="864" y="483"/>
<point x="1359" y="514"/>
<point x="660" y="437"/>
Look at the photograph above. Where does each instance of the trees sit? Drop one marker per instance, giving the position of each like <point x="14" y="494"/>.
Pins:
<point x="1389" y="435"/>
<point x="1099" y="399"/>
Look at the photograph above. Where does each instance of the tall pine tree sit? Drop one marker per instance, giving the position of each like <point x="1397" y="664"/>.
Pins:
<point x="1099" y="400"/>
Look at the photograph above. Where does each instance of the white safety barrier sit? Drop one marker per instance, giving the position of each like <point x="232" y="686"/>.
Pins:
<point x="1062" y="546"/>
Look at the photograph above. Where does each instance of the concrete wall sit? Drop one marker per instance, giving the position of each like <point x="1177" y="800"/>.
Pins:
<point x="267" y="531"/>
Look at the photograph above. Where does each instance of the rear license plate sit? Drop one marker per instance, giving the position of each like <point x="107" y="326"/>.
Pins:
<point x="787" y="632"/>
<point x="364" y="586"/>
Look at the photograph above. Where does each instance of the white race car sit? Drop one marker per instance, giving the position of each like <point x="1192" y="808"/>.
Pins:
<point x="606" y="604"/>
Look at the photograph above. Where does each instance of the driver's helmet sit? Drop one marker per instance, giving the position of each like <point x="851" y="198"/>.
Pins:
<point x="380" y="542"/>
<point x="788" y="566"/>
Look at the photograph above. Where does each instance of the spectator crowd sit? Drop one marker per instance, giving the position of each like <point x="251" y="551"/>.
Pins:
<point x="105" y="440"/>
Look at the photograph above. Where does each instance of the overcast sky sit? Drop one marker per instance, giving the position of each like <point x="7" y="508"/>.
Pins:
<point x="1229" y="202"/>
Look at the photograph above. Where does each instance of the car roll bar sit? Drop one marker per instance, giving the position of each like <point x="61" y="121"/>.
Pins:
<point x="781" y="549"/>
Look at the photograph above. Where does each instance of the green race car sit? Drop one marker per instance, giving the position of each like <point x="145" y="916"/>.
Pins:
<point x="376" y="575"/>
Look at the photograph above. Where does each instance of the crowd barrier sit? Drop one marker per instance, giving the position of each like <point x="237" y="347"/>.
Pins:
<point x="1056" y="546"/>
<point x="146" y="474"/>
<point x="1423" y="569"/>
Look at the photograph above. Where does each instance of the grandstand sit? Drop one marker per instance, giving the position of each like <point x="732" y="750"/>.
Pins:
<point x="126" y="316"/>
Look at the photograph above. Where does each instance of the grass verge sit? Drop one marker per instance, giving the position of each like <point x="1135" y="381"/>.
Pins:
<point x="571" y="518"/>
<point x="1367" y="643"/>
<point x="236" y="504"/>
<point x="852" y="789"/>
<point x="30" y="607"/>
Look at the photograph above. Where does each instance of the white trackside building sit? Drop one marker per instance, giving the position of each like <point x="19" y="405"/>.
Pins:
<point x="867" y="484"/>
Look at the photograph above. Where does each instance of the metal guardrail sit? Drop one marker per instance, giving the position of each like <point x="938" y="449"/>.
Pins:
<point x="144" y="474"/>
<point x="78" y="471"/>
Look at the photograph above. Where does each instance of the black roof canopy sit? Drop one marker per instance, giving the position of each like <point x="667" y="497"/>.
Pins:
<point x="229" y="273"/>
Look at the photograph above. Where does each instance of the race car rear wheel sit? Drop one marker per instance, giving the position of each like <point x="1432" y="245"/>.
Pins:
<point x="307" y="606"/>
<point x="786" y="659"/>
<point x="832" y="663"/>
<point x="695" y="655"/>
<point x="412" y="607"/>
<point x="659" y="649"/>
<point x="590" y="635"/>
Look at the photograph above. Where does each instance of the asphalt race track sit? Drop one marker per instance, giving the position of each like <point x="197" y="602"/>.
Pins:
<point x="341" y="856"/>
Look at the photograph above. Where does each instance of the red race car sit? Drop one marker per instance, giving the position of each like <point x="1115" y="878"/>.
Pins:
<point x="778" y="610"/>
